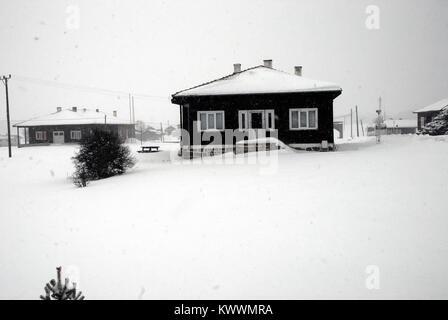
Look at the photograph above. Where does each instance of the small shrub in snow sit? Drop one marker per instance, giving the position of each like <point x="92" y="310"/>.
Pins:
<point x="55" y="290"/>
<point x="101" y="155"/>
<point x="439" y="125"/>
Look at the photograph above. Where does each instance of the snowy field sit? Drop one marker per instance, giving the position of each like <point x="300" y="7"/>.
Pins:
<point x="306" y="228"/>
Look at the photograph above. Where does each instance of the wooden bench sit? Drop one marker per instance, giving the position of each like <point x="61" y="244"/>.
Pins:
<point x="149" y="149"/>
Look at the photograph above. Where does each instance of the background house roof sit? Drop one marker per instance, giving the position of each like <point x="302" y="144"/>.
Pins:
<point x="69" y="116"/>
<point x="439" y="105"/>
<point x="258" y="79"/>
<point x="401" y="123"/>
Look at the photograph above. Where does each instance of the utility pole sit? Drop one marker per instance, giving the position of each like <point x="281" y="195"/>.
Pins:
<point x="130" y="109"/>
<point x="141" y="133"/>
<point x="378" y="122"/>
<point x="380" y="102"/>
<point x="133" y="111"/>
<point x="351" y="123"/>
<point x="161" y="131"/>
<point x="5" y="81"/>
<point x="362" y="127"/>
<point x="357" y="122"/>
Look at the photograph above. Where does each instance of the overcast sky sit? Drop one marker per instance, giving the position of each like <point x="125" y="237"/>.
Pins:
<point x="155" y="48"/>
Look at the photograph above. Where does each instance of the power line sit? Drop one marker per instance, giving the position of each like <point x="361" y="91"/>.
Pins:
<point x="69" y="86"/>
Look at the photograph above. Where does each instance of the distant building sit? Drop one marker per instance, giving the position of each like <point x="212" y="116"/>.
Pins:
<point x="400" y="126"/>
<point x="395" y="126"/>
<point x="169" y="130"/>
<point x="427" y="114"/>
<point x="338" y="127"/>
<point x="148" y="134"/>
<point x="70" y="126"/>
<point x="259" y="98"/>
<point x="4" y="140"/>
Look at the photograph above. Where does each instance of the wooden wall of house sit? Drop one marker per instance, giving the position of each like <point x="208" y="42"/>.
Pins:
<point x="124" y="131"/>
<point x="281" y="103"/>
<point x="429" y="116"/>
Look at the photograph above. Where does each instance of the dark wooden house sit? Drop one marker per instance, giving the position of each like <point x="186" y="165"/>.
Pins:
<point x="427" y="114"/>
<point x="69" y="126"/>
<point x="293" y="109"/>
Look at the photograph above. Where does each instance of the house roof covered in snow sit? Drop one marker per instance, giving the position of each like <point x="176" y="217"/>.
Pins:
<point x="439" y="105"/>
<point x="258" y="80"/>
<point x="71" y="117"/>
<point x="401" y="123"/>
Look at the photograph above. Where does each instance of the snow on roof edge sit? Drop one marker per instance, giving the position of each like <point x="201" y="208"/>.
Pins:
<point x="91" y="117"/>
<point x="331" y="88"/>
<point x="437" y="106"/>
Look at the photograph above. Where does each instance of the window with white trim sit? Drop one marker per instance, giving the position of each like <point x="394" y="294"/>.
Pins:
<point x="210" y="120"/>
<point x="246" y="119"/>
<point x="41" y="135"/>
<point x="75" y="134"/>
<point x="303" y="119"/>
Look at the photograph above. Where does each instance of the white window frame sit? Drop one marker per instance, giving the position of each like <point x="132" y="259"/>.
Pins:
<point x="207" y="113"/>
<point x="307" y="110"/>
<point x="75" y="134"/>
<point x="41" y="135"/>
<point x="272" y="113"/>
<point x="242" y="125"/>
<point x="247" y="118"/>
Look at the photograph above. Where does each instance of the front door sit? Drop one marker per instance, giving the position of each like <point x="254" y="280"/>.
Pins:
<point x="58" y="137"/>
<point x="256" y="120"/>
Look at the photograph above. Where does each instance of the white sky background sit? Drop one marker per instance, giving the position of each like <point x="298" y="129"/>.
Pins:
<point x="159" y="47"/>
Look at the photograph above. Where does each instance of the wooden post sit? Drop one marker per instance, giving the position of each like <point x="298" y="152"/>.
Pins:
<point x="8" y="122"/>
<point x="161" y="132"/>
<point x="141" y="133"/>
<point x="133" y="111"/>
<point x="362" y="127"/>
<point x="18" y="138"/>
<point x="357" y="122"/>
<point x="130" y="109"/>
<point x="351" y="123"/>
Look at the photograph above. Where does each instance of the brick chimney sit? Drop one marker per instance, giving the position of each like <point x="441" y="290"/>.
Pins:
<point x="298" y="71"/>
<point x="115" y="113"/>
<point x="267" y="63"/>
<point x="59" y="109"/>
<point x="97" y="110"/>
<point x="74" y="109"/>
<point x="236" y="67"/>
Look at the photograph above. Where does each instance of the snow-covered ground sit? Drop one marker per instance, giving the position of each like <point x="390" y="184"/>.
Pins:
<point x="307" y="228"/>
